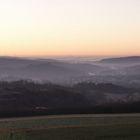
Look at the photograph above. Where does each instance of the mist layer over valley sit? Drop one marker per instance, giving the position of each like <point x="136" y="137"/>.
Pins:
<point x="121" y="71"/>
<point x="54" y="86"/>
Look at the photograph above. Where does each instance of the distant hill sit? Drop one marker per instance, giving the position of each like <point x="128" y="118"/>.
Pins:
<point x="11" y="61"/>
<point x="44" y="69"/>
<point x="130" y="59"/>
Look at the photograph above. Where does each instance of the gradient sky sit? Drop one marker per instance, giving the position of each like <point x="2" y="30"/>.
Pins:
<point x="69" y="27"/>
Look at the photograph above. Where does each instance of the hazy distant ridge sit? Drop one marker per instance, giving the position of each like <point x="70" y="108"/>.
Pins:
<point x="129" y="59"/>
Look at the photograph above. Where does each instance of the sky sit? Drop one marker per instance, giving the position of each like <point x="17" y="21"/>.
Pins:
<point x="69" y="27"/>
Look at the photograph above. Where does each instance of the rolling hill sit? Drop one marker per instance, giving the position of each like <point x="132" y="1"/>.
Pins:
<point x="130" y="59"/>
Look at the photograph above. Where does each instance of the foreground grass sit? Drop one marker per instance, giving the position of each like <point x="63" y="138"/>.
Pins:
<point x="87" y="127"/>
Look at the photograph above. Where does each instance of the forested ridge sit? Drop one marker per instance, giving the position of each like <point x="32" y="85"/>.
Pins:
<point x="20" y="98"/>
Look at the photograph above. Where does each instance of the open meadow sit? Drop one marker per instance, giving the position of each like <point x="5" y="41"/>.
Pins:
<point x="72" y="127"/>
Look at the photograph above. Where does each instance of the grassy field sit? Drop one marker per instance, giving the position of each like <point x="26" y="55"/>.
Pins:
<point x="72" y="127"/>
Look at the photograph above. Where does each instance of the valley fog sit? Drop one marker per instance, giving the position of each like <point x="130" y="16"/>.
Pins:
<point x="121" y="71"/>
<point x="55" y="86"/>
